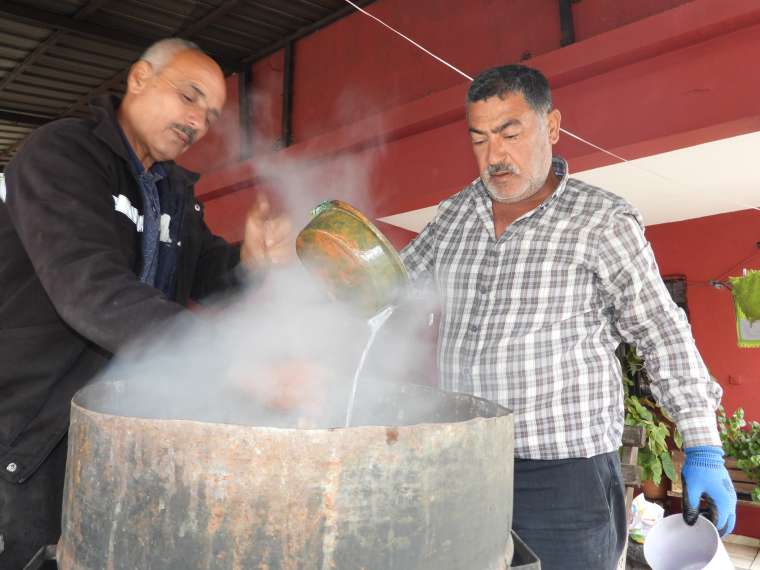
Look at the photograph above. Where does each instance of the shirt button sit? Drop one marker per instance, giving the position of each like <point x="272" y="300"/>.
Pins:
<point x="483" y="289"/>
<point x="197" y="207"/>
<point x="11" y="468"/>
<point x="179" y="244"/>
<point x="473" y="328"/>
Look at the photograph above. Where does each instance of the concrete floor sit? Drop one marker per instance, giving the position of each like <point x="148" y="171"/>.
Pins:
<point x="743" y="551"/>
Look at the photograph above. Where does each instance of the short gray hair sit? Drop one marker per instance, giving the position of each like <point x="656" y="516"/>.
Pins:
<point x="162" y="52"/>
<point x="507" y="79"/>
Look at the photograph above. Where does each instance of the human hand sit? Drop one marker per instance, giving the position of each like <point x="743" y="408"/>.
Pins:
<point x="704" y="474"/>
<point x="295" y="387"/>
<point x="298" y="385"/>
<point x="268" y="239"/>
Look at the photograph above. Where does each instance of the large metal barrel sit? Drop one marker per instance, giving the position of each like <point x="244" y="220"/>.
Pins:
<point x="425" y="483"/>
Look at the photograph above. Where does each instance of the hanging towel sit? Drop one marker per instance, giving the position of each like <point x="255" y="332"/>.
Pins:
<point x="746" y="293"/>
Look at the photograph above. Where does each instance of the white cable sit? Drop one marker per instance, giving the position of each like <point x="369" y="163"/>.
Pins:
<point x="589" y="143"/>
<point x="573" y="135"/>
<point x="410" y="40"/>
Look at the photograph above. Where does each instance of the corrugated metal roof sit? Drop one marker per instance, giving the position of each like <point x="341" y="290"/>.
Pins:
<point x="56" y="54"/>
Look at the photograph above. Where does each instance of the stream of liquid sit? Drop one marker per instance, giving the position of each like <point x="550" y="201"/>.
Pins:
<point x="374" y="325"/>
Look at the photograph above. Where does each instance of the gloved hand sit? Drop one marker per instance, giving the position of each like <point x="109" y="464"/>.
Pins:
<point x="704" y="474"/>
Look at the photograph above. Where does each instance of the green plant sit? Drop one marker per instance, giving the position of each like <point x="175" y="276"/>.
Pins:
<point x="654" y="459"/>
<point x="741" y="440"/>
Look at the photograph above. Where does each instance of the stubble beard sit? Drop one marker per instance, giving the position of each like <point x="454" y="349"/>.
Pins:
<point x="531" y="188"/>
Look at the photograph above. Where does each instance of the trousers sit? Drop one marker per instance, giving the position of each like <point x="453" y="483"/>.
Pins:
<point x="571" y="512"/>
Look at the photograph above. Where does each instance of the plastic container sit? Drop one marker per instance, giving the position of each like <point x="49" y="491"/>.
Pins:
<point x="674" y="545"/>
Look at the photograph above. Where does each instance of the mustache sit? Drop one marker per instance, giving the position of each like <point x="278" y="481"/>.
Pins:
<point x="189" y="132"/>
<point x="500" y="168"/>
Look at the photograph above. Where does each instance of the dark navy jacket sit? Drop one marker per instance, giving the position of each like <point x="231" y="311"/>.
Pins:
<point x="70" y="253"/>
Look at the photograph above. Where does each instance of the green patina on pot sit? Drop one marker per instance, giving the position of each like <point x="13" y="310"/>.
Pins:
<point x="351" y="257"/>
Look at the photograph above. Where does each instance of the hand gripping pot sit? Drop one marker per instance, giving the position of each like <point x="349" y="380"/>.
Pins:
<point x="351" y="257"/>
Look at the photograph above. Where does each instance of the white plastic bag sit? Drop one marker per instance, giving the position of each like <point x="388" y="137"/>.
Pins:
<point x="645" y="516"/>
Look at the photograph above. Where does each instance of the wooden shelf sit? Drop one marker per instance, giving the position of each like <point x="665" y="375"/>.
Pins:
<point x="742" y="502"/>
<point x="741" y="481"/>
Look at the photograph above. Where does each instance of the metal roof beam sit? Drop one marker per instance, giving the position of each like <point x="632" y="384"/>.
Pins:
<point x="21" y="117"/>
<point x="35" y="17"/>
<point x="81" y="14"/>
<point x="90" y="8"/>
<point x="216" y="14"/>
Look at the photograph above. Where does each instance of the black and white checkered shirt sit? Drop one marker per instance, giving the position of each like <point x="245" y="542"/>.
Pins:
<point x="531" y="320"/>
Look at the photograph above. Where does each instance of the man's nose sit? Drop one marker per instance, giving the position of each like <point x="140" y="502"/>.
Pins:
<point x="196" y="119"/>
<point x="497" y="151"/>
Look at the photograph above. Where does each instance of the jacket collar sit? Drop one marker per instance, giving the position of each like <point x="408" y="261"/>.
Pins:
<point x="107" y="129"/>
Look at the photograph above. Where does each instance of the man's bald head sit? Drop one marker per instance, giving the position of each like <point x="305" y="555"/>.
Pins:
<point x="163" y="51"/>
<point x="175" y="92"/>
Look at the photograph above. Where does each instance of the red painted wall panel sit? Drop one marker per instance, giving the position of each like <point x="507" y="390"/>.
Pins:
<point x="705" y="84"/>
<point x="594" y="17"/>
<point x="266" y="106"/>
<point x="357" y="67"/>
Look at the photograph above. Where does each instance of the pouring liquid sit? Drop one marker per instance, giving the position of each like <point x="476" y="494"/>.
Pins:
<point x="374" y="325"/>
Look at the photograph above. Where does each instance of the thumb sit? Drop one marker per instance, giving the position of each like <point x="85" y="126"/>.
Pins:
<point x="263" y="207"/>
<point x="691" y="498"/>
<point x="729" y="527"/>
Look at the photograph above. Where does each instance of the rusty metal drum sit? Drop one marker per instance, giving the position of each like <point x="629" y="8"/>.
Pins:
<point x="424" y="483"/>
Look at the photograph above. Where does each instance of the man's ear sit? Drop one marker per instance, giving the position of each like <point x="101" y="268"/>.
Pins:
<point x="139" y="76"/>
<point x="554" y="118"/>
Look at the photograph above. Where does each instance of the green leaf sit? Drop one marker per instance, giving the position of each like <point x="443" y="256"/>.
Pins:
<point x="667" y="465"/>
<point x="656" y="468"/>
<point x="641" y="410"/>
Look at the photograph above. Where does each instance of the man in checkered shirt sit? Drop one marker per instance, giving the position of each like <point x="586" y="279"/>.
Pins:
<point x="541" y="277"/>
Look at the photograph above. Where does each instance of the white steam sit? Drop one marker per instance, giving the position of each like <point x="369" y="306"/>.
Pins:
<point x="279" y="353"/>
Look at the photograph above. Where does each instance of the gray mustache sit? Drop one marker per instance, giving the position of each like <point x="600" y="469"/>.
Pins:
<point x="189" y="132"/>
<point x="500" y="168"/>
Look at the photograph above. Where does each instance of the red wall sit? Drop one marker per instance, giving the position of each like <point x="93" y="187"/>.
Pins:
<point x="710" y="248"/>
<point x="644" y="77"/>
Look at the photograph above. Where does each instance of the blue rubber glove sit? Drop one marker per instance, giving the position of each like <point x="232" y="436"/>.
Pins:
<point x="704" y="474"/>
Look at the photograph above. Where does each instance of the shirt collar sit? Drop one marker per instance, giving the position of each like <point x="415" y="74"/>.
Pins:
<point x="561" y="171"/>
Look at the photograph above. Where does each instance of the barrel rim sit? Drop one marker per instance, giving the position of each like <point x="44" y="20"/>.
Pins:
<point x="501" y="412"/>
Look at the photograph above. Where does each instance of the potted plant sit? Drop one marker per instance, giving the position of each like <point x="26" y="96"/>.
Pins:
<point x="741" y="442"/>
<point x="654" y="459"/>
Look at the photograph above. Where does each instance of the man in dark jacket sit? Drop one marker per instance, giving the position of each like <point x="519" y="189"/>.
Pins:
<point x="101" y="239"/>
